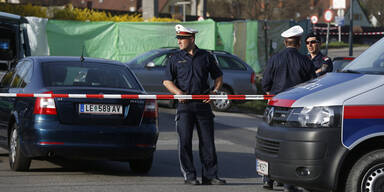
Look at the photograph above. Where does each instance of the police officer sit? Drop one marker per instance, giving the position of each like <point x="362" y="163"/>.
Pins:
<point x="288" y="67"/>
<point x="187" y="73"/>
<point x="284" y="70"/>
<point x="323" y="63"/>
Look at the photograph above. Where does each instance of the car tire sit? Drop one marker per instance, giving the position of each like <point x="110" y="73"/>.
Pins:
<point x="17" y="160"/>
<point x="141" y="166"/>
<point x="367" y="174"/>
<point x="222" y="104"/>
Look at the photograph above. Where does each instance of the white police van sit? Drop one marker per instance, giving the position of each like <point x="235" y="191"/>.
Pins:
<point x="328" y="134"/>
<point x="14" y="42"/>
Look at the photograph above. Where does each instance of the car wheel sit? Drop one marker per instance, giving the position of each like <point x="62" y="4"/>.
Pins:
<point x="141" y="165"/>
<point x="222" y="104"/>
<point x="367" y="174"/>
<point x="17" y="160"/>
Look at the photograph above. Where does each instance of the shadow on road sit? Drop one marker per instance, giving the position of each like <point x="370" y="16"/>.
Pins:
<point x="238" y="165"/>
<point x="88" y="166"/>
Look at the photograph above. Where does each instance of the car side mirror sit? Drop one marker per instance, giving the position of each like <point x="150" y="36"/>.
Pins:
<point x="150" y="64"/>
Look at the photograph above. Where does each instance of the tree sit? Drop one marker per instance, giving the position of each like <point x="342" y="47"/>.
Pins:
<point x="263" y="9"/>
<point x="375" y="8"/>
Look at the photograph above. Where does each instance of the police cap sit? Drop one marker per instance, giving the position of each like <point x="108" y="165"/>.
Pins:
<point x="182" y="31"/>
<point x="294" y="31"/>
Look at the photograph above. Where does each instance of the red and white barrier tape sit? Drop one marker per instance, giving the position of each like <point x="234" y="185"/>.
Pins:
<point x="325" y="28"/>
<point x="363" y="33"/>
<point x="118" y="96"/>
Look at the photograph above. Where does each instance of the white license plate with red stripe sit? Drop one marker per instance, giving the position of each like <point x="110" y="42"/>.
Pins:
<point x="261" y="167"/>
<point x="100" y="109"/>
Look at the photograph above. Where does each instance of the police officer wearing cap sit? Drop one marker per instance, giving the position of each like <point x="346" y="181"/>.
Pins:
<point x="187" y="73"/>
<point x="323" y="63"/>
<point x="284" y="70"/>
<point x="288" y="67"/>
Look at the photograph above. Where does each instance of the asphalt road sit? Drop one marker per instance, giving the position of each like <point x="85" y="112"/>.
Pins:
<point x="234" y="134"/>
<point x="343" y="52"/>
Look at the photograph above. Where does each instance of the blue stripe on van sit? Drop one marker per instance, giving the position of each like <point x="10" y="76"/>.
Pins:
<point x="359" y="128"/>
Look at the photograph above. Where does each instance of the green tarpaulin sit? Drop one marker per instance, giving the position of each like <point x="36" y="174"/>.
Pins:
<point x="224" y="36"/>
<point x="251" y="47"/>
<point x="124" y="40"/>
<point x="119" y="41"/>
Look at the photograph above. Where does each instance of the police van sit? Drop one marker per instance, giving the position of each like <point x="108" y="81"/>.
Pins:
<point x="328" y="134"/>
<point x="14" y="42"/>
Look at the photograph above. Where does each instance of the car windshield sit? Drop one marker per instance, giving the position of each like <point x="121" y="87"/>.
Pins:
<point x="339" y="64"/>
<point x="75" y="74"/>
<point x="143" y="57"/>
<point x="369" y="62"/>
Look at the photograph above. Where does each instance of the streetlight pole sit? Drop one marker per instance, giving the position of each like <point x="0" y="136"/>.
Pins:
<point x="350" y="41"/>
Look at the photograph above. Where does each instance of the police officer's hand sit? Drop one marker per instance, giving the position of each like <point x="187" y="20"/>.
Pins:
<point x="208" y="100"/>
<point x="181" y="100"/>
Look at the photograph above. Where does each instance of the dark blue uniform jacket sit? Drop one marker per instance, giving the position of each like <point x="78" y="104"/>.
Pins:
<point x="322" y="61"/>
<point x="286" y="69"/>
<point x="190" y="73"/>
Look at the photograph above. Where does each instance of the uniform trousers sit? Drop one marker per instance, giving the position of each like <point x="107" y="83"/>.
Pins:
<point x="191" y="114"/>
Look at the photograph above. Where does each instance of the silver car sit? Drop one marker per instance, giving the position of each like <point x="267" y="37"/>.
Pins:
<point x="239" y="77"/>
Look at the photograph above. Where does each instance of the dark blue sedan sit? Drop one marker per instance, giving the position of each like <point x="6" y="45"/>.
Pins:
<point x="86" y="128"/>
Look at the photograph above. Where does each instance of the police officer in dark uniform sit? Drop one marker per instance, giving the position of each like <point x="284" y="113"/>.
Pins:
<point x="284" y="70"/>
<point x="187" y="73"/>
<point x="288" y="67"/>
<point x="323" y="63"/>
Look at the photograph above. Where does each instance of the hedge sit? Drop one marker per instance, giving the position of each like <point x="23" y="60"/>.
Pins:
<point x="71" y="13"/>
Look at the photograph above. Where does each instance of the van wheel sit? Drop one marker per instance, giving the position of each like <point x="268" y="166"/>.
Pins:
<point x="367" y="174"/>
<point x="17" y="160"/>
<point x="141" y="166"/>
<point x="222" y="104"/>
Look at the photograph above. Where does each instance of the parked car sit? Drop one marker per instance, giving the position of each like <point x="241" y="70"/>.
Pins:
<point x="239" y="77"/>
<point x="87" y="128"/>
<point x="14" y="42"/>
<point x="340" y="62"/>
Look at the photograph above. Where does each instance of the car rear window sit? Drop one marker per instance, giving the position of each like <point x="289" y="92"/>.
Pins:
<point x="76" y="74"/>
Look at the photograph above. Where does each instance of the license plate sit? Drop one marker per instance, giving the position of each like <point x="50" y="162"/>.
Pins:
<point x="261" y="167"/>
<point x="100" y="109"/>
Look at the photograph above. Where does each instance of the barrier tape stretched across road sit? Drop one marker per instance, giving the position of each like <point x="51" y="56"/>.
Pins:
<point x="362" y="33"/>
<point x="118" y="96"/>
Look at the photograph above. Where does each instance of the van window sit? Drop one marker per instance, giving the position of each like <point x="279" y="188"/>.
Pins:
<point x="371" y="61"/>
<point x="14" y="41"/>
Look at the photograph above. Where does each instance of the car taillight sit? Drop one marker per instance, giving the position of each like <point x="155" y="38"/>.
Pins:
<point x="150" y="109"/>
<point x="253" y="75"/>
<point x="45" y="106"/>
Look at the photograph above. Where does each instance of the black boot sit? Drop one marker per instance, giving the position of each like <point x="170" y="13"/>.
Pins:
<point x="192" y="182"/>
<point x="268" y="184"/>
<point x="213" y="181"/>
